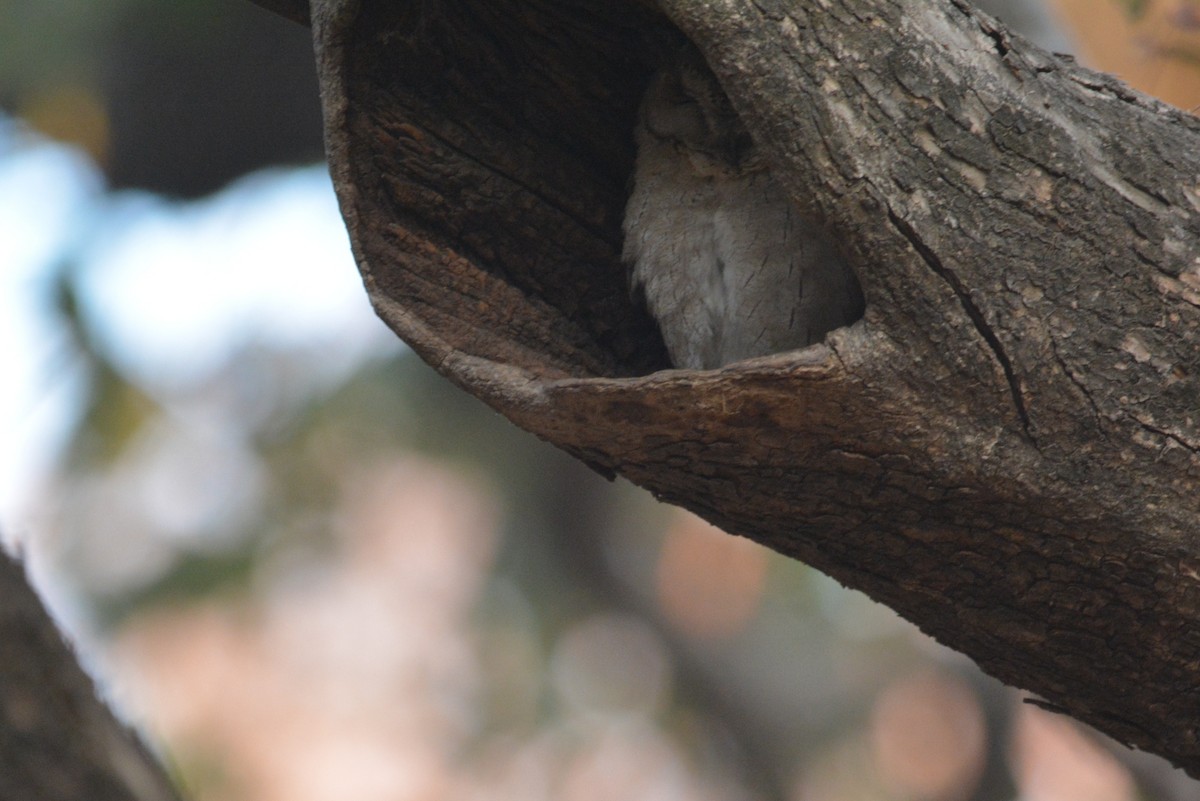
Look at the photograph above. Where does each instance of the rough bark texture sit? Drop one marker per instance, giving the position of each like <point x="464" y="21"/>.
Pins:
<point x="57" y="741"/>
<point x="1004" y="449"/>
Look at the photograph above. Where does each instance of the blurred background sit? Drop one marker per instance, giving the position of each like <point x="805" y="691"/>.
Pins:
<point x="309" y="569"/>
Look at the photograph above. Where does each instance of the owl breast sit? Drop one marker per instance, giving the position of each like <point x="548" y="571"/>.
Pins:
<point x="728" y="267"/>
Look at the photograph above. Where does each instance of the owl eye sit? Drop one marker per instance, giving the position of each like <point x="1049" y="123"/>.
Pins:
<point x="674" y="115"/>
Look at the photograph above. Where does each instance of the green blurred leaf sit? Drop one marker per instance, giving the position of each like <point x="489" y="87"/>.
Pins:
<point x="114" y="409"/>
<point x="1135" y="9"/>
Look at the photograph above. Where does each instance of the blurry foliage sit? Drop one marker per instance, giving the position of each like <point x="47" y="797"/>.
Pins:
<point x="115" y="409"/>
<point x="1135" y="8"/>
<point x="50" y="43"/>
<point x="1167" y="29"/>
<point x="175" y="97"/>
<point x="200" y="93"/>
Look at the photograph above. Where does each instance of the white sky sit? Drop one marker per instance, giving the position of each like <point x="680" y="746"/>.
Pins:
<point x="171" y="288"/>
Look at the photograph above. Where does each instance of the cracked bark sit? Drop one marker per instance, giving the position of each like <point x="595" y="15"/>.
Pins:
<point x="972" y="312"/>
<point x="1004" y="449"/>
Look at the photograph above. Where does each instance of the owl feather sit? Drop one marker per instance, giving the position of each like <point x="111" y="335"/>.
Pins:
<point x="728" y="266"/>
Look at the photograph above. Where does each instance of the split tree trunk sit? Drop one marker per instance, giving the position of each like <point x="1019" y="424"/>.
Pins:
<point x="1004" y="449"/>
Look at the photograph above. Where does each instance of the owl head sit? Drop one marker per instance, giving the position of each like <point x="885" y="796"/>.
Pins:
<point x="686" y="106"/>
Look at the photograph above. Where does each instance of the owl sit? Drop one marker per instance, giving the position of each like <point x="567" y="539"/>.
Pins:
<point x="728" y="266"/>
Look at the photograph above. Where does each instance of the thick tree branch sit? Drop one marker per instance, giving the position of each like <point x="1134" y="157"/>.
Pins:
<point x="1004" y="449"/>
<point x="57" y="741"/>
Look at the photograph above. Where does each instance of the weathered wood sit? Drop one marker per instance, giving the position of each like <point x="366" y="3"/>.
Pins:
<point x="1004" y="449"/>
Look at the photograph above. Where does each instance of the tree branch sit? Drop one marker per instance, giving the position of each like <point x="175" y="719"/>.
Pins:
<point x="1004" y="449"/>
<point x="57" y="741"/>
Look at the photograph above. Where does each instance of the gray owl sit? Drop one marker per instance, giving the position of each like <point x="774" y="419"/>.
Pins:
<point x="729" y="268"/>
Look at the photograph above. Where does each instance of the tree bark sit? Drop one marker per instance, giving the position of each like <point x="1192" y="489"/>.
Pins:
<point x="57" y="740"/>
<point x="1004" y="449"/>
